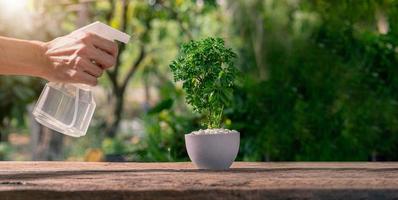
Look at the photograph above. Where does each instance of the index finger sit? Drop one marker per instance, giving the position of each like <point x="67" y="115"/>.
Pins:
<point x="104" y="44"/>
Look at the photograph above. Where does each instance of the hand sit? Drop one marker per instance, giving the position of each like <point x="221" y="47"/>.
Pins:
<point x="78" y="58"/>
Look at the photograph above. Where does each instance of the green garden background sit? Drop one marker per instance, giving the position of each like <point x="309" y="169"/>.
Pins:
<point x="318" y="79"/>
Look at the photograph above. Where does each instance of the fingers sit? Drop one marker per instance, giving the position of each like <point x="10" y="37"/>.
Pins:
<point x="80" y="57"/>
<point x="85" y="78"/>
<point x="89" y="67"/>
<point x="87" y="73"/>
<point x="101" y="58"/>
<point x="82" y="71"/>
<point x="109" y="47"/>
<point x="76" y="76"/>
<point x="98" y="49"/>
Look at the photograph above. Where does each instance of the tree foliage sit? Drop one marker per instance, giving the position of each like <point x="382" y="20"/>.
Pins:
<point x="15" y="95"/>
<point x="331" y="91"/>
<point x="319" y="79"/>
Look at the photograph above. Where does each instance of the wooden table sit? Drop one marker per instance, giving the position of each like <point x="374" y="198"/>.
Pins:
<point x="77" y="180"/>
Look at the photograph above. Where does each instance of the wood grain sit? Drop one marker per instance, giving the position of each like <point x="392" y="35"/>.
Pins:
<point x="77" y="180"/>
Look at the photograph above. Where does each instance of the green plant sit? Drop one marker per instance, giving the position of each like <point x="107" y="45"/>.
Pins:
<point x="207" y="72"/>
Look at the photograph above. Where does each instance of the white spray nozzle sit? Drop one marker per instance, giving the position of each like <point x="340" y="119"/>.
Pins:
<point x="106" y="32"/>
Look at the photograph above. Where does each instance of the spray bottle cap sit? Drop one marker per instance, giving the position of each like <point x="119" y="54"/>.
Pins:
<point x="106" y="32"/>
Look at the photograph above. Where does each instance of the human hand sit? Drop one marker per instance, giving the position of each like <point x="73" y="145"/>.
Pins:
<point x="78" y="58"/>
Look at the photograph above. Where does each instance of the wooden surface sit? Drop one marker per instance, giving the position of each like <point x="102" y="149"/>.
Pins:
<point x="76" y="180"/>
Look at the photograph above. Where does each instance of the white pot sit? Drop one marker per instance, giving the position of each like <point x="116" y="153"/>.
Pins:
<point x="213" y="151"/>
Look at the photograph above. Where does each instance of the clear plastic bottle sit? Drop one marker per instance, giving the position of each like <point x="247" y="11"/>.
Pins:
<point x="66" y="108"/>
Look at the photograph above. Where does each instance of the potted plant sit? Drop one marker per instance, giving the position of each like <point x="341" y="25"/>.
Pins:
<point x="207" y="73"/>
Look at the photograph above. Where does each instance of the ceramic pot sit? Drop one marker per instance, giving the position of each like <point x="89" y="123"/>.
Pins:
<point x="213" y="151"/>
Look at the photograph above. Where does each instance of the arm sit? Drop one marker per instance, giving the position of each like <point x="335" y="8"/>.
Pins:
<point x="75" y="58"/>
<point x="22" y="57"/>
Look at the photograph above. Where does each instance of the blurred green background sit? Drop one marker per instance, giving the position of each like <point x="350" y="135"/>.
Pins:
<point x="318" y="79"/>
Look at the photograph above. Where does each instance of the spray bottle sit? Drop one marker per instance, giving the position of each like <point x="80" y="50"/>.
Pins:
<point x="68" y="108"/>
